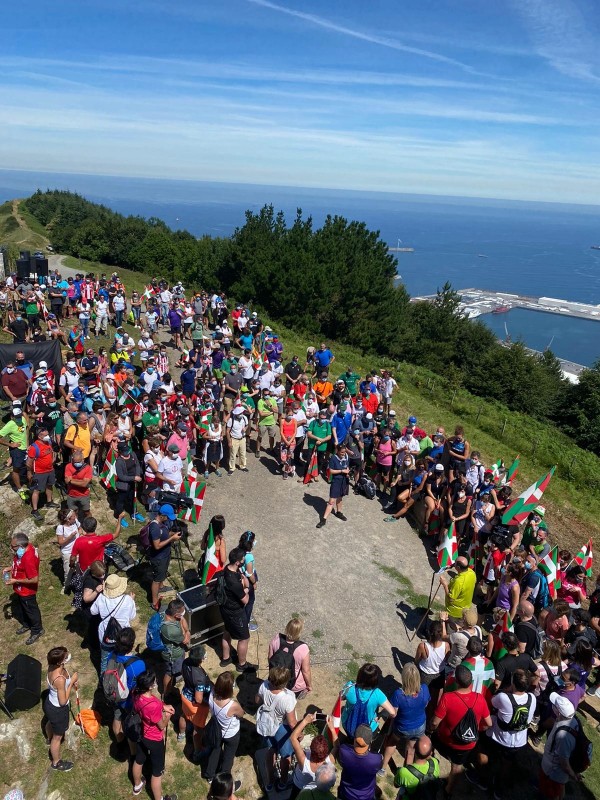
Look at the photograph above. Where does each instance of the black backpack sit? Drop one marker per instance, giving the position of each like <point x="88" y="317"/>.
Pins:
<point x="284" y="657"/>
<point x="520" y="716"/>
<point x="466" y="731"/>
<point x="113" y="627"/>
<point x="581" y="756"/>
<point x="538" y="647"/>
<point x="366" y="487"/>
<point x="552" y="685"/>
<point x="429" y="784"/>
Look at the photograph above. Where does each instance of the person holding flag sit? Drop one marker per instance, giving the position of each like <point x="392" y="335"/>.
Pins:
<point x="459" y="589"/>
<point x="213" y="544"/>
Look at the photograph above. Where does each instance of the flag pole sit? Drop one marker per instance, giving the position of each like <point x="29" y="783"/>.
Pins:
<point x="431" y="599"/>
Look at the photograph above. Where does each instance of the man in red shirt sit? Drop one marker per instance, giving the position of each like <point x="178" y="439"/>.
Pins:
<point x="78" y="477"/>
<point x="40" y="471"/>
<point x="14" y="382"/>
<point x="455" y="739"/>
<point x="370" y="401"/>
<point x="24" y="576"/>
<point x="90" y="545"/>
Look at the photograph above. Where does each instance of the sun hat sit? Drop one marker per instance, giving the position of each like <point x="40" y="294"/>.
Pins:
<point x="115" y="586"/>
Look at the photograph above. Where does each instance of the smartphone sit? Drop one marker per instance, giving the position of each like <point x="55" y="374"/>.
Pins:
<point x="320" y="717"/>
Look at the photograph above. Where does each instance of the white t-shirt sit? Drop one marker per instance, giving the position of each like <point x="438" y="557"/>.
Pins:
<point x="409" y="445"/>
<point x="502" y="703"/>
<point x="119" y="303"/>
<point x="171" y="468"/>
<point x="146" y="345"/>
<point x="121" y="608"/>
<point x="301" y="421"/>
<point x="66" y="531"/>
<point x="69" y="380"/>
<point x="265" y="380"/>
<point x="237" y="425"/>
<point x="166" y="296"/>
<point x="246" y="367"/>
<point x="274" y="708"/>
<point x="101" y="308"/>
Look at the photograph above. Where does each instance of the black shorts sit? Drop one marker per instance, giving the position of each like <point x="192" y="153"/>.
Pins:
<point x="160" y="567"/>
<point x="17" y="458"/>
<point x="58" y="717"/>
<point x="156" y="751"/>
<point x="496" y="751"/>
<point x="236" y="625"/>
<point x="175" y="331"/>
<point x="457" y="757"/>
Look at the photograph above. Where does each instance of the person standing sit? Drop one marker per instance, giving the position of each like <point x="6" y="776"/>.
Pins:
<point x="175" y="636"/>
<point x="161" y="539"/>
<point x="15" y="383"/>
<point x="275" y="720"/>
<point x="234" y="593"/>
<point x="458" y="590"/>
<point x="129" y="474"/>
<point x="339" y="469"/>
<point x="267" y="411"/>
<point x="227" y="714"/>
<point x="56" y="704"/>
<point x="237" y="427"/>
<point x="556" y="768"/>
<point x="298" y="651"/>
<point x="89" y="547"/>
<point x="24" y="577"/>
<point x="358" y="780"/>
<point x="67" y="531"/>
<point x="78" y="478"/>
<point x="420" y="768"/>
<point x="40" y="471"/>
<point x="319" y="436"/>
<point x="14" y="436"/>
<point x="113" y="603"/>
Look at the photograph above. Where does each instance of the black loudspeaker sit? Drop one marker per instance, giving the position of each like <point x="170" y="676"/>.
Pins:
<point x="23" y="683"/>
<point x="25" y="254"/>
<point x="41" y="267"/>
<point x="23" y="268"/>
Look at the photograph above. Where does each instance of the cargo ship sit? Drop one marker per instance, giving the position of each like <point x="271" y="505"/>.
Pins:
<point x="595" y="247"/>
<point x="500" y="309"/>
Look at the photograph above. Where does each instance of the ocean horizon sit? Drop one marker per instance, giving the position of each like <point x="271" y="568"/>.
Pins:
<point x="513" y="246"/>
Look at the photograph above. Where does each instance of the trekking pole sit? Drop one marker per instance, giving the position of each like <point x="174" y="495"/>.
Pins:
<point x="133" y="519"/>
<point x="79" y="710"/>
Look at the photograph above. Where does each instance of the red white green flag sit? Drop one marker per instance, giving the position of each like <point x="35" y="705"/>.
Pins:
<point x="505" y="625"/>
<point x="211" y="562"/>
<point x="549" y="566"/>
<point x="473" y="554"/>
<point x="520" y="508"/>
<point x="108" y="476"/>
<point x="497" y="468"/>
<point x="585" y="557"/>
<point x="194" y="490"/>
<point x="448" y="548"/>
<point x="204" y="417"/>
<point x="510" y="473"/>
<point x="190" y="470"/>
<point x="312" y="469"/>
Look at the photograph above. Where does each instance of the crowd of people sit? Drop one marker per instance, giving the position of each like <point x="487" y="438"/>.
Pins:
<point x="505" y="665"/>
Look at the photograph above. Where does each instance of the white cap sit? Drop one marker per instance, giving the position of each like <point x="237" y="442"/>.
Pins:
<point x="43" y="365"/>
<point x="369" y="415"/>
<point x="564" y="707"/>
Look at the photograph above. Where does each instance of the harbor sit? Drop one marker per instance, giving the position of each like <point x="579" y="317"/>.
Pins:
<point x="566" y="328"/>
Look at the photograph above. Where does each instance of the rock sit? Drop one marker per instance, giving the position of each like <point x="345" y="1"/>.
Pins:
<point x="28" y="527"/>
<point x="15" y="730"/>
<point x="8" y="498"/>
<point x="72" y="737"/>
<point x="55" y="795"/>
<point x="50" y="516"/>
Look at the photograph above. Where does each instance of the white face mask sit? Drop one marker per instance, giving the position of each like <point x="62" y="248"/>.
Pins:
<point x="67" y="659"/>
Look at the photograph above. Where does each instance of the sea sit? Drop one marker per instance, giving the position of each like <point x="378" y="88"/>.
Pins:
<point x="512" y="246"/>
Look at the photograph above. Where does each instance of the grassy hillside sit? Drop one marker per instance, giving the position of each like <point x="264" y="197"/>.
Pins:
<point x="20" y="231"/>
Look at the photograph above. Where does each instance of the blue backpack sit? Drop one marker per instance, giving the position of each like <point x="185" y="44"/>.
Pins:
<point x="542" y="600"/>
<point x="359" y="714"/>
<point x="153" y="640"/>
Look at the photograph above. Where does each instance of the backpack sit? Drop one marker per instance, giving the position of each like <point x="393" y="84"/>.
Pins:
<point x="466" y="731"/>
<point x="284" y="657"/>
<point x="552" y="685"/>
<point x="114" y="680"/>
<point x="113" y="628"/>
<point x="359" y="714"/>
<point x="542" y="600"/>
<point x="144" y="536"/>
<point x="581" y="757"/>
<point x="429" y="784"/>
<point x="520" y="716"/>
<point x="153" y="640"/>
<point x="366" y="487"/>
<point x="538" y="647"/>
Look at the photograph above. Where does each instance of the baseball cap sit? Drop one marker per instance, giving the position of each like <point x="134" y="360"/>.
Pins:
<point x="237" y="410"/>
<point x="540" y="510"/>
<point x="181" y="426"/>
<point x="124" y="448"/>
<point x="363" y="737"/>
<point x="563" y="705"/>
<point x="167" y="511"/>
<point x="439" y="467"/>
<point x="43" y="364"/>
<point x="412" y="420"/>
<point x="392" y="413"/>
<point x="173" y="448"/>
<point x="369" y="415"/>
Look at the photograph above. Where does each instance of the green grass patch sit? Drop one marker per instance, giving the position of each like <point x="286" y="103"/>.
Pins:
<point x="405" y="588"/>
<point x="350" y="670"/>
<point x="318" y="634"/>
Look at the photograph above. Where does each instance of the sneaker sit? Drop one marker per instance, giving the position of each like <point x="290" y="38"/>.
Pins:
<point x="218" y="473"/>
<point x="139" y="517"/>
<point x="34" y="637"/>
<point x="95" y="473"/>
<point x="390" y="519"/>
<point x="247" y="667"/>
<point x="252" y="626"/>
<point x="181" y="737"/>
<point x="381" y="772"/>
<point x="475" y="780"/>
<point x="269" y="788"/>
<point x="169" y="797"/>
<point x="138" y="789"/>
<point x="230" y="472"/>
<point x="225" y="662"/>
<point x="245" y="469"/>
<point x="36" y="515"/>
<point x="237" y="785"/>
<point x="341" y="516"/>
<point x="23" y="629"/>
<point x="52" y="505"/>
<point x="124" y="523"/>
<point x="206" y="473"/>
<point x="321" y="523"/>
<point x="24" y="494"/>
<point x="592" y="691"/>
<point x="63" y="766"/>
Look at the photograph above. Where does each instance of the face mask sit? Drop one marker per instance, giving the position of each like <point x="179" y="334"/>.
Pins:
<point x="476" y="461"/>
<point x="150" y="370"/>
<point x="20" y="552"/>
<point x="173" y="456"/>
<point x="52" y="405"/>
<point x="68" y="658"/>
<point x="123" y="416"/>
<point x="19" y="317"/>
<point x="461" y="495"/>
<point x="20" y="360"/>
<point x="46" y="439"/>
<point x="78" y="464"/>
<point x="527" y="565"/>
<point x="385" y="438"/>
<point x="10" y="369"/>
<point x="406" y="463"/>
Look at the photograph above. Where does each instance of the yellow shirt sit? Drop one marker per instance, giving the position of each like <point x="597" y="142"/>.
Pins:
<point x="81" y="438"/>
<point x="460" y="592"/>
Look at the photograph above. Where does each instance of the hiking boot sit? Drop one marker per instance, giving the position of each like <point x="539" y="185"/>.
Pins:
<point x="34" y="637"/>
<point x="52" y="505"/>
<point x="36" y="515"/>
<point x="63" y="766"/>
<point x="321" y="523"/>
<point x="341" y="516"/>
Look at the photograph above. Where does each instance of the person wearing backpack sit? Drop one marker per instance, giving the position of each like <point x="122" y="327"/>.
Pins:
<point x="287" y="650"/>
<point x="275" y="720"/>
<point x="175" y="637"/>
<point x="364" y="700"/>
<point x="116" y="609"/>
<point x="527" y="631"/>
<point x="222" y="733"/>
<point x="420" y="775"/>
<point x="512" y="661"/>
<point x="127" y="666"/>
<point x="459" y="718"/>
<point x="556" y="769"/>
<point x="514" y="710"/>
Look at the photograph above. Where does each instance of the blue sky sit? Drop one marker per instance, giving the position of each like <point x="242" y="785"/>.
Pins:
<point x="453" y="97"/>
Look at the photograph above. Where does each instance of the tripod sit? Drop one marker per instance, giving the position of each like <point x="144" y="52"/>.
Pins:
<point x="3" y="706"/>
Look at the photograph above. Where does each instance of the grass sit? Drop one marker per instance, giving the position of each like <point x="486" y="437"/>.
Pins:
<point x="405" y="588"/>
<point x="317" y="634"/>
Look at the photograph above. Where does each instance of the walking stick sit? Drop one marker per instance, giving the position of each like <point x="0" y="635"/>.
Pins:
<point x="431" y="599"/>
<point x="133" y="519"/>
<point x="79" y="710"/>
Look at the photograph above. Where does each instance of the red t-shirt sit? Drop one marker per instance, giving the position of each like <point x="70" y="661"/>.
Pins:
<point x="452" y="708"/>
<point x="370" y="403"/>
<point x="41" y="455"/>
<point x="90" y="547"/>
<point x="83" y="474"/>
<point x="28" y="566"/>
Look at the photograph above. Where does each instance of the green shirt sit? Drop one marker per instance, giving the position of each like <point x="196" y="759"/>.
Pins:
<point x="350" y="380"/>
<point x="271" y="406"/>
<point x="406" y="781"/>
<point x="32" y="308"/>
<point x="321" y="430"/>
<point x="197" y="331"/>
<point x="226" y="365"/>
<point x="149" y="419"/>
<point x="172" y="636"/>
<point x="15" y="433"/>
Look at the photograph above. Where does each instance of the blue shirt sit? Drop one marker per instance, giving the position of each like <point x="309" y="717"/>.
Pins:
<point x="188" y="380"/>
<point x="372" y="697"/>
<point x="342" y="425"/>
<point x="323" y="357"/>
<point x="246" y="340"/>
<point x="411" y="710"/>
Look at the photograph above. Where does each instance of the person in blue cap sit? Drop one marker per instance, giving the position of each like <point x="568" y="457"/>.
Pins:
<point x="161" y="539"/>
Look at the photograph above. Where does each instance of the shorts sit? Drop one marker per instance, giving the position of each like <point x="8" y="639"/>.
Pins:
<point x="174" y="667"/>
<point x="495" y="750"/>
<point x="280" y="741"/>
<point x="43" y="480"/>
<point x="457" y="757"/>
<point x="405" y="736"/>
<point x="228" y="401"/>
<point x="236" y="625"/>
<point x="17" y="458"/>
<point x="160" y="567"/>
<point x="175" y="331"/>
<point x="549" y="789"/>
<point x="156" y="751"/>
<point x="271" y="430"/>
<point x="384" y="469"/>
<point x="78" y="503"/>
<point x="58" y="717"/>
<point x="119" y="713"/>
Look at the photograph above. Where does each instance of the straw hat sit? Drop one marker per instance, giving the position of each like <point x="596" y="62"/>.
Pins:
<point x="115" y="586"/>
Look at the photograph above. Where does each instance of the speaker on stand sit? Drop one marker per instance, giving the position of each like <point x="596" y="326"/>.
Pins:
<point x="23" y="268"/>
<point x="23" y="684"/>
<point x="41" y="268"/>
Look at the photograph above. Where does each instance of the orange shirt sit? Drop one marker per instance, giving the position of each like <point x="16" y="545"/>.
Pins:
<point x="323" y="388"/>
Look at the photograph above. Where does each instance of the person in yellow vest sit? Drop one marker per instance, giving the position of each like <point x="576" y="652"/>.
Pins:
<point x="458" y="590"/>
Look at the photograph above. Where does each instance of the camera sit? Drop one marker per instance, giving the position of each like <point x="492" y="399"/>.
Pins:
<point x="174" y="499"/>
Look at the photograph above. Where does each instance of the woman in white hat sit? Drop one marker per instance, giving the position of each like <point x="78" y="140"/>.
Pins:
<point x="114" y="603"/>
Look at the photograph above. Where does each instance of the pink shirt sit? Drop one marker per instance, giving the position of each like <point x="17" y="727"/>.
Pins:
<point x="150" y="710"/>
<point x="383" y="458"/>
<point x="300" y="654"/>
